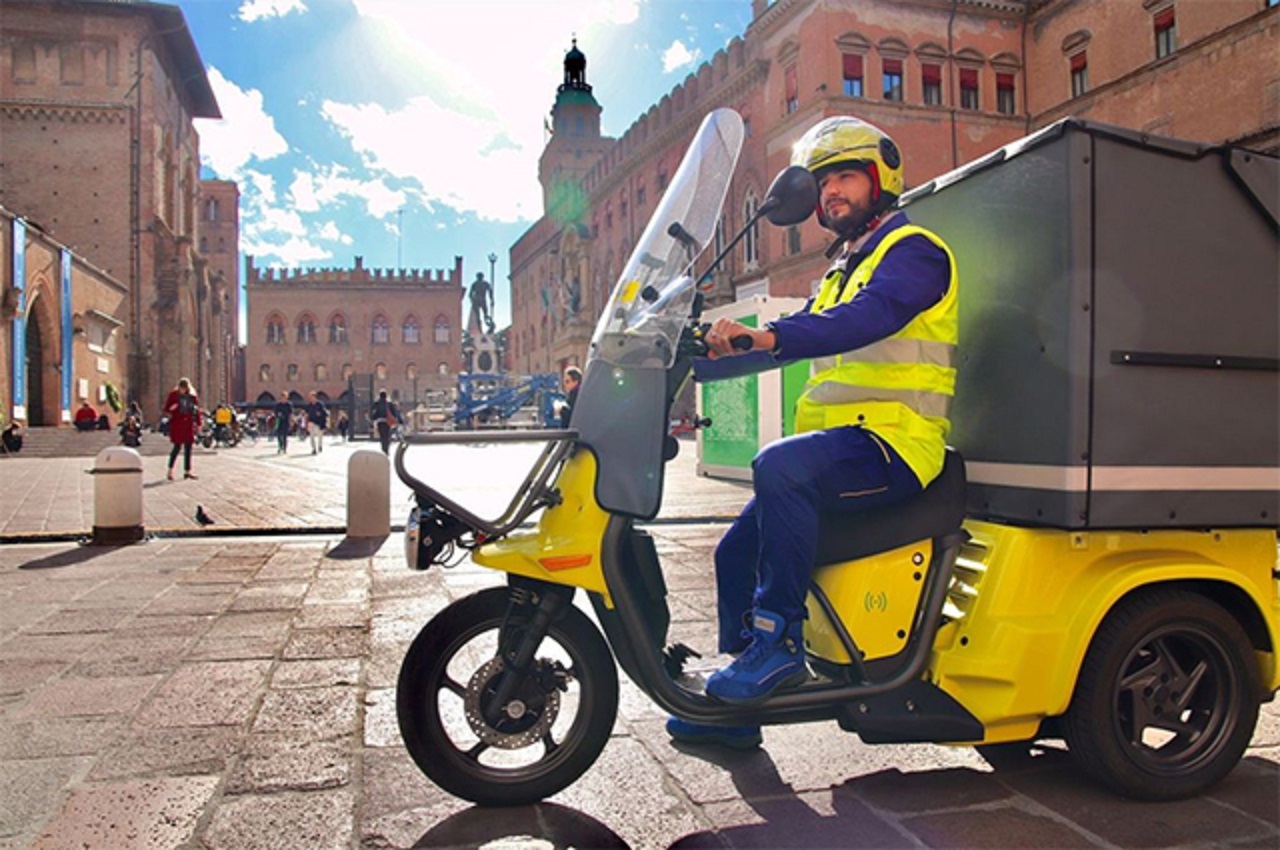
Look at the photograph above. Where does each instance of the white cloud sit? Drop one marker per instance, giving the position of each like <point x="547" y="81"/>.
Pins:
<point x="678" y="56"/>
<point x="473" y="165"/>
<point x="330" y="233"/>
<point x="245" y="132"/>
<point x="254" y="10"/>
<point x="453" y="138"/>
<point x="311" y="191"/>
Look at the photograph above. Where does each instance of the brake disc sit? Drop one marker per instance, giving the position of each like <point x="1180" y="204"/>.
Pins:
<point x="520" y="723"/>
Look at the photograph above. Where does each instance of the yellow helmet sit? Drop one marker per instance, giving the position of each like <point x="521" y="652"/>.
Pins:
<point x="848" y="141"/>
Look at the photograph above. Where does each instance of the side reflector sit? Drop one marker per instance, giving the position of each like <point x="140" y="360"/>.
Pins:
<point x="565" y="562"/>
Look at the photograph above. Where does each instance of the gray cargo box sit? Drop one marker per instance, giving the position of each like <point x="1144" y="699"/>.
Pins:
<point x="1120" y="330"/>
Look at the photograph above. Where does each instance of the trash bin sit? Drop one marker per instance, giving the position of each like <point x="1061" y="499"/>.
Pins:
<point x="117" y="497"/>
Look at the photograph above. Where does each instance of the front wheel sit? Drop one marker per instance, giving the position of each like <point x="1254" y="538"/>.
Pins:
<point x="1167" y="698"/>
<point x="552" y="727"/>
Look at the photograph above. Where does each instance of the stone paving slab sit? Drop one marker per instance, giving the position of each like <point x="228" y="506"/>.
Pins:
<point x="244" y="698"/>
<point x="252" y="487"/>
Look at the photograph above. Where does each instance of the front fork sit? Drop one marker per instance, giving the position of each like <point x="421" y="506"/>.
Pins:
<point x="548" y="603"/>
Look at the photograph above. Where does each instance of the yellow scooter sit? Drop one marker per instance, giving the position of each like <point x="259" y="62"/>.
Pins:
<point x="1150" y="652"/>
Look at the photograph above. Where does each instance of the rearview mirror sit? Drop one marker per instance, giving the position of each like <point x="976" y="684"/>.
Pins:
<point x="791" y="198"/>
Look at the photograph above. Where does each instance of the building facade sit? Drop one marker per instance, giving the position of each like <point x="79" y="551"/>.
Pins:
<point x="63" y="317"/>
<point x="97" y="101"/>
<point x="317" y="330"/>
<point x="950" y="81"/>
<point x="219" y="229"/>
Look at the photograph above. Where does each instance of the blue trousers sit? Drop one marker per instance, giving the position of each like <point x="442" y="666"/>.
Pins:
<point x="766" y="558"/>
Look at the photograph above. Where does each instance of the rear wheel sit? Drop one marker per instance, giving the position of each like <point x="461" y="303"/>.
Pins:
<point x="541" y="738"/>
<point x="1167" y="697"/>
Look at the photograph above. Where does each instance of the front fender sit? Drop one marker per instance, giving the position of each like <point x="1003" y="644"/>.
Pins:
<point x="565" y="546"/>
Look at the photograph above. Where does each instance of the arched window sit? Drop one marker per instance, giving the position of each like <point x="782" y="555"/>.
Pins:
<point x="442" y="331"/>
<point x="381" y="330"/>
<point x="291" y="373"/>
<point x="306" y="329"/>
<point x="411" y="372"/>
<point x="264" y="374"/>
<point x="322" y="372"/>
<point x="275" y="329"/>
<point x="380" y="371"/>
<point x="211" y="209"/>
<point x="412" y="331"/>
<point x="347" y="371"/>
<point x="443" y="369"/>
<point x="338" y="329"/>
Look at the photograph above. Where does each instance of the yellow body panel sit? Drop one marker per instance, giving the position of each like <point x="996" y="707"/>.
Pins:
<point x="877" y="598"/>
<point x="565" y="547"/>
<point x="1025" y="603"/>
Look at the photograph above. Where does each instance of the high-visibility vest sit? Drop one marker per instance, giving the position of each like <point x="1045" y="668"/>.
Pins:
<point x="900" y="387"/>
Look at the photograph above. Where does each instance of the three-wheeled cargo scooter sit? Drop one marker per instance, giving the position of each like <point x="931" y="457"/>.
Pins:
<point x="1147" y="645"/>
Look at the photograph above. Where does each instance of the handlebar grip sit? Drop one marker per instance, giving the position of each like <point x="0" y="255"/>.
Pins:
<point x="742" y="342"/>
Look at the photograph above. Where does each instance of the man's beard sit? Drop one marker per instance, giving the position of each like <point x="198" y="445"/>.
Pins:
<point x="850" y="222"/>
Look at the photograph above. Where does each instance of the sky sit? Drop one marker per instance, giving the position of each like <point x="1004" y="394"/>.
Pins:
<point x="408" y="131"/>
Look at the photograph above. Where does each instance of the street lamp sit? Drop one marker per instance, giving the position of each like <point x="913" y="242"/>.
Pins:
<point x="493" y="258"/>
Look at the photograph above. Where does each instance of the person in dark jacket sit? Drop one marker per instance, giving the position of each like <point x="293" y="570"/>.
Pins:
<point x="317" y="422"/>
<point x="385" y="416"/>
<point x="283" y="412"/>
<point x="572" y="382"/>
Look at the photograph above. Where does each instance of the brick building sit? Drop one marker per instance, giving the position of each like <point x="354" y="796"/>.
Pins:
<point x="950" y="81"/>
<point x="316" y="330"/>
<point x="97" y="101"/>
<point x="219" y="229"/>
<point x="69" y="337"/>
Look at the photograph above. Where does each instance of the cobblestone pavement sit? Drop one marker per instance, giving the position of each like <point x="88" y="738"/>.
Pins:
<point x="238" y="693"/>
<point x="252" y="487"/>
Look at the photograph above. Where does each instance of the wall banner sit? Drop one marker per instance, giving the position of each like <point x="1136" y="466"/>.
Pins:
<point x="20" y="321"/>
<point x="67" y="371"/>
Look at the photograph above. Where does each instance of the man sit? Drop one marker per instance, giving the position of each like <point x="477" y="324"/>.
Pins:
<point x="283" y="412"/>
<point x="317" y="421"/>
<point x="86" y="418"/>
<point x="882" y="333"/>
<point x="223" y="417"/>
<point x="385" y="416"/>
<point x="572" y="382"/>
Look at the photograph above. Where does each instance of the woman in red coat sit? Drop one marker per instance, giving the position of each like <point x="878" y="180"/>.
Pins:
<point x="183" y="409"/>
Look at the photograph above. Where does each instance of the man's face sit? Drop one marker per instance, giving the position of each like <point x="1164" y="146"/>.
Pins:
<point x="845" y="197"/>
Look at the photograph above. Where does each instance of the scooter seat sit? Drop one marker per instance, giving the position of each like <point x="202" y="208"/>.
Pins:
<point x="936" y="511"/>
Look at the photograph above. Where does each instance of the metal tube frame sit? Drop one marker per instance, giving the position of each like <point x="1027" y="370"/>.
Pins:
<point x="529" y="497"/>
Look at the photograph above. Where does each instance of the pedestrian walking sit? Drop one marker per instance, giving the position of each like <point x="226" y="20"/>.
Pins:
<point x="283" y="411"/>
<point x="343" y="426"/>
<point x="317" y="421"/>
<point x="385" y="416"/>
<point x="183" y="409"/>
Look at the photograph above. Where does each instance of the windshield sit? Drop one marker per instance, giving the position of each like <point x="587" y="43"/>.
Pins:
<point x="653" y="297"/>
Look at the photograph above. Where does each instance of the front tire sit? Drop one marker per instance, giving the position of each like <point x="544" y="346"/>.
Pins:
<point x="1167" y="697"/>
<point x="544" y="738"/>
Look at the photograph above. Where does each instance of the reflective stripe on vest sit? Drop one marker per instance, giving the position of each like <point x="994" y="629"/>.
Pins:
<point x="901" y="386"/>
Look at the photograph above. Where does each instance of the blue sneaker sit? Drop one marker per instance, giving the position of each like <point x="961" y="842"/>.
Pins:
<point x="733" y="737"/>
<point x="775" y="659"/>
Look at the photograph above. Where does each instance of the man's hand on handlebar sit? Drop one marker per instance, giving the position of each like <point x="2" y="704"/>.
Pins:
<point x="728" y="338"/>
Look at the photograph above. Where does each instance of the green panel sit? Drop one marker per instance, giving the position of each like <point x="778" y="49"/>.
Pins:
<point x="794" y="377"/>
<point x="734" y="407"/>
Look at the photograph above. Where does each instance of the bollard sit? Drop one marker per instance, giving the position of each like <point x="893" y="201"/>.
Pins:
<point x="368" y="494"/>
<point x="117" y="497"/>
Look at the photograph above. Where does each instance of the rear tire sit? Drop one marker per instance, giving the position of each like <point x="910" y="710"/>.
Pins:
<point x="544" y="738"/>
<point x="1167" y="697"/>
